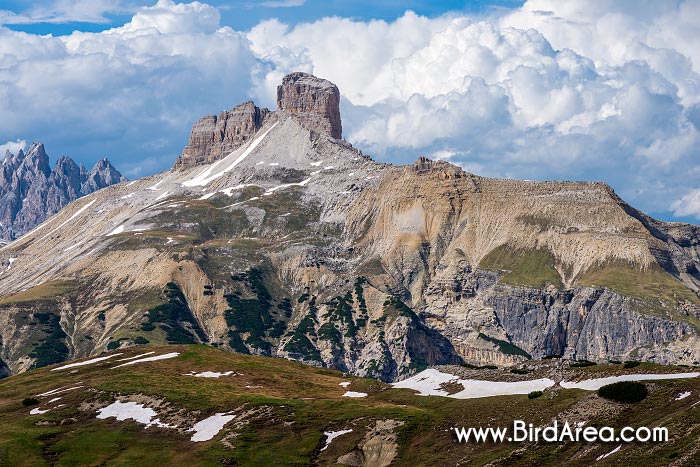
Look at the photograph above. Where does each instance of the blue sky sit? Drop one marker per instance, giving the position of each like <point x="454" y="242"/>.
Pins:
<point x="243" y="15"/>
<point x="542" y="89"/>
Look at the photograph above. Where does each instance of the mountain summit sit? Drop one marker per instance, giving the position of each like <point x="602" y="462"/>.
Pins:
<point x="313" y="102"/>
<point x="274" y="237"/>
<point x="31" y="192"/>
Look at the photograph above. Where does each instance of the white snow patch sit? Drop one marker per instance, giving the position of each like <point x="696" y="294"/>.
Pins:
<point x="316" y="164"/>
<point x="331" y="435"/>
<point x="132" y="411"/>
<point x="128" y="196"/>
<point x="73" y="246"/>
<point x="213" y="172"/>
<point x="163" y="195"/>
<point x="351" y="174"/>
<point x="274" y="163"/>
<point x="286" y="214"/>
<point x="344" y="384"/>
<point x="260" y="163"/>
<point x="206" y="429"/>
<point x="135" y="356"/>
<point x="86" y="362"/>
<point x="286" y="185"/>
<point x="170" y="240"/>
<point x="207" y="196"/>
<point x="603" y="456"/>
<point x="150" y="359"/>
<point x="131" y="183"/>
<point x="682" y="395"/>
<point x="116" y="231"/>
<point x="54" y="400"/>
<point x="355" y="394"/>
<point x="211" y="374"/>
<point x="330" y="167"/>
<point x="595" y="384"/>
<point x="37" y="411"/>
<point x="58" y="391"/>
<point x="75" y="214"/>
<point x="155" y="187"/>
<point x="316" y="172"/>
<point x="428" y="383"/>
<point x="229" y="191"/>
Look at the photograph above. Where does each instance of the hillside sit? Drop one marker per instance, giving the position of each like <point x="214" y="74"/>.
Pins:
<point x="297" y="245"/>
<point x="209" y="407"/>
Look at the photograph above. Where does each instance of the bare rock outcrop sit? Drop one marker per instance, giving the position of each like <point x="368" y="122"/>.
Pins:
<point x="314" y="102"/>
<point x="213" y="137"/>
<point x="31" y="192"/>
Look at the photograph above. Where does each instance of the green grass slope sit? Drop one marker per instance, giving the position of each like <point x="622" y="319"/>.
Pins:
<point x="282" y="408"/>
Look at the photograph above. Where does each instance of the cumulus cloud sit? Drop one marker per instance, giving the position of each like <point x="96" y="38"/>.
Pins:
<point x="130" y="93"/>
<point x="13" y="147"/>
<point x="565" y="90"/>
<point x="64" y="11"/>
<point x="606" y="90"/>
<point x="688" y="205"/>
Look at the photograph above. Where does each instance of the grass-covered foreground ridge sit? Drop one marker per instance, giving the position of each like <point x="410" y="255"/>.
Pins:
<point x="281" y="410"/>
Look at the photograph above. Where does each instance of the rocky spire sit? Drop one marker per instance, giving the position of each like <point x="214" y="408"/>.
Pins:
<point x="30" y="192"/>
<point x="311" y="101"/>
<point x="314" y="103"/>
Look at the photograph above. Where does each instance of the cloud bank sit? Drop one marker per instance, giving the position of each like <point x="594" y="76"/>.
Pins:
<point x="608" y="90"/>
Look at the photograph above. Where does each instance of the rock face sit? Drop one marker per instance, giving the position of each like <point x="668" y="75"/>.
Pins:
<point x="214" y="137"/>
<point x="314" y="102"/>
<point x="30" y="192"/>
<point x="303" y="248"/>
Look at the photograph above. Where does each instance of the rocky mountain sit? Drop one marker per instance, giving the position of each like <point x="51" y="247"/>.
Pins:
<point x="272" y="236"/>
<point x="30" y="192"/>
<point x="314" y="103"/>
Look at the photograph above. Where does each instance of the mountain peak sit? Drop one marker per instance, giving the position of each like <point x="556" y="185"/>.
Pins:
<point x="313" y="101"/>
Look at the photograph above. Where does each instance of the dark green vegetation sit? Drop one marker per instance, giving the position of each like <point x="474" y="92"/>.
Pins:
<point x="624" y="391"/>
<point x="52" y="347"/>
<point x="630" y="364"/>
<point x="175" y="318"/>
<point x="505" y="346"/>
<point x="532" y="268"/>
<point x="582" y="364"/>
<point x="534" y="394"/>
<point x="282" y="409"/>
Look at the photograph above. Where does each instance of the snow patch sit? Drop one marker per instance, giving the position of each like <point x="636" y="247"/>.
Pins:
<point x="206" y="429"/>
<point x="86" y="362"/>
<point x="75" y="214"/>
<point x="155" y="187"/>
<point x="331" y="435"/>
<point x="351" y="174"/>
<point x="286" y="185"/>
<point x="274" y="163"/>
<point x="163" y="195"/>
<point x="54" y="400"/>
<point x="603" y="456"/>
<point x="207" y="196"/>
<point x="213" y="172"/>
<point x="37" y="411"/>
<point x="136" y="356"/>
<point x="116" y="231"/>
<point x="682" y="396"/>
<point x="428" y="383"/>
<point x="128" y="196"/>
<point x="150" y="359"/>
<point x="210" y="374"/>
<point x="595" y="384"/>
<point x="344" y="384"/>
<point x="316" y="164"/>
<point x="132" y="411"/>
<point x="170" y="240"/>
<point x="58" y="391"/>
<point x="355" y="394"/>
<point x="73" y="246"/>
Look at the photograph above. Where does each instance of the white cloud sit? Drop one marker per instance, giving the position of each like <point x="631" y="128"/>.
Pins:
<point x="282" y="3"/>
<point x="64" y="11"/>
<point x="688" y="205"/>
<point x="606" y="90"/>
<point x="13" y="146"/>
